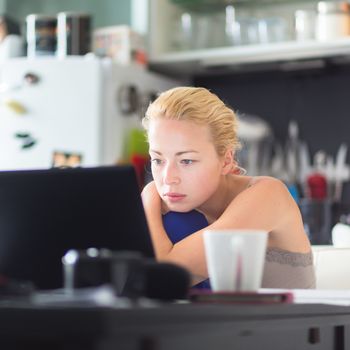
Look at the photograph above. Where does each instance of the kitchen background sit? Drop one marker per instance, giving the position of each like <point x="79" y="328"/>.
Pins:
<point x="285" y="104"/>
<point x="105" y="12"/>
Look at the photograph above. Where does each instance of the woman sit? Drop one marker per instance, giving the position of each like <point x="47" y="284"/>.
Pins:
<point x="192" y="138"/>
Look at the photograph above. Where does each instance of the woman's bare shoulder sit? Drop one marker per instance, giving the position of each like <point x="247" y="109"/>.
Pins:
<point x="261" y="205"/>
<point x="265" y="179"/>
<point x="266" y="183"/>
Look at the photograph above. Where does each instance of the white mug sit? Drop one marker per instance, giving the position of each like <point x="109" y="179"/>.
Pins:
<point x="235" y="259"/>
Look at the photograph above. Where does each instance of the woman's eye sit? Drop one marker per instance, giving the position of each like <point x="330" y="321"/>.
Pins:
<point x="187" y="161"/>
<point x="156" y="161"/>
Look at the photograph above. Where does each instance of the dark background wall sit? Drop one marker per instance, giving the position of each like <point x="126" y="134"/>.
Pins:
<point x="318" y="99"/>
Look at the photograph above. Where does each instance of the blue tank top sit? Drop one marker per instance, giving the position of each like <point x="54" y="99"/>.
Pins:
<point x="180" y="225"/>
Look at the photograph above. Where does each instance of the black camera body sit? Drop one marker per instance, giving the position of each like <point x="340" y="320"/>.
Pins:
<point x="128" y="272"/>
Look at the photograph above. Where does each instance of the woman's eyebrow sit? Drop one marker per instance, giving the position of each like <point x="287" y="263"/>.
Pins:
<point x="176" y="154"/>
<point x="183" y="152"/>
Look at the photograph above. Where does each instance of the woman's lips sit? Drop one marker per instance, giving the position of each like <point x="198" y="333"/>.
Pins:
<point x="174" y="197"/>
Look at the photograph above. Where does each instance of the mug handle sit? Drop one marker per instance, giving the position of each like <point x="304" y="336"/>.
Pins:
<point x="236" y="250"/>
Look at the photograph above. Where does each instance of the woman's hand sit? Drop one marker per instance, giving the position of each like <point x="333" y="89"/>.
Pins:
<point x="150" y="198"/>
<point x="153" y="209"/>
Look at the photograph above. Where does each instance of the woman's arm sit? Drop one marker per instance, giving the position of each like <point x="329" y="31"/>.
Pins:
<point x="161" y="242"/>
<point x="266" y="206"/>
<point x="153" y="208"/>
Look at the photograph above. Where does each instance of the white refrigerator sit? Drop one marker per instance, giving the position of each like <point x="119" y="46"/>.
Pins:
<point x="80" y="108"/>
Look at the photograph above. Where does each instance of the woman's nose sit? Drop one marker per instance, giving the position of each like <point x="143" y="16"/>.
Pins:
<point x="171" y="175"/>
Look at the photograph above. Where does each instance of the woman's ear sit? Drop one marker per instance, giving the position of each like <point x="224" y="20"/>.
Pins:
<point x="228" y="162"/>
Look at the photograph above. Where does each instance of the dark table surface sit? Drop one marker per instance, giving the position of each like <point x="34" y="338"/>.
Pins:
<point x="23" y="322"/>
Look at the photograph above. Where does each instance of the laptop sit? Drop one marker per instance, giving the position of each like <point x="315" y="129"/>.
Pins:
<point x="44" y="213"/>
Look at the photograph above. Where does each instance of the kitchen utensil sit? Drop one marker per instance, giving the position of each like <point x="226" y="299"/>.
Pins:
<point x="329" y="171"/>
<point x="317" y="180"/>
<point x="253" y="132"/>
<point x="317" y="217"/>
<point x="317" y="186"/>
<point x="340" y="172"/>
<point x="292" y="150"/>
<point x="266" y="154"/>
<point x="304" y="166"/>
<point x="277" y="164"/>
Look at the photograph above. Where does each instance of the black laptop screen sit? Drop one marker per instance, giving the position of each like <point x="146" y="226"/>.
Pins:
<point x="44" y="213"/>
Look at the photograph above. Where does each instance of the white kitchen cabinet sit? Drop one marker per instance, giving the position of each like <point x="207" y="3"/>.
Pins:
<point x="172" y="52"/>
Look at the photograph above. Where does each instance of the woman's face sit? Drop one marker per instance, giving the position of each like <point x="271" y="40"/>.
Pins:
<point x="185" y="165"/>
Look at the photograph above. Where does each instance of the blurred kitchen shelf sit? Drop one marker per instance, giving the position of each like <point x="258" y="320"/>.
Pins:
<point x="284" y="56"/>
<point x="205" y="5"/>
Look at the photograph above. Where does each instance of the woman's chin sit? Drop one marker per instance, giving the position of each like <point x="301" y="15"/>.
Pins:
<point x="179" y="207"/>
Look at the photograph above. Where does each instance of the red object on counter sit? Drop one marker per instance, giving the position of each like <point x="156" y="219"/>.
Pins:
<point x="317" y="186"/>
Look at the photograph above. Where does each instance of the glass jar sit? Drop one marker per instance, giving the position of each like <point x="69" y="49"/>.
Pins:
<point x="73" y="34"/>
<point x="333" y="20"/>
<point x="41" y="35"/>
<point x="304" y="25"/>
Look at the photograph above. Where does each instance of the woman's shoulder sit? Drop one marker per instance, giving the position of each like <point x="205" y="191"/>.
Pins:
<point x="265" y="204"/>
<point x="266" y="183"/>
<point x="269" y="193"/>
<point x="264" y="191"/>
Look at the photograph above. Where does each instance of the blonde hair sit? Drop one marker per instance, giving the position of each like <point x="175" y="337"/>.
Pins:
<point x="200" y="106"/>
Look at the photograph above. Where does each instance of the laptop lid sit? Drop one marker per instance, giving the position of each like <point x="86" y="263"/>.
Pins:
<point x="44" y="213"/>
